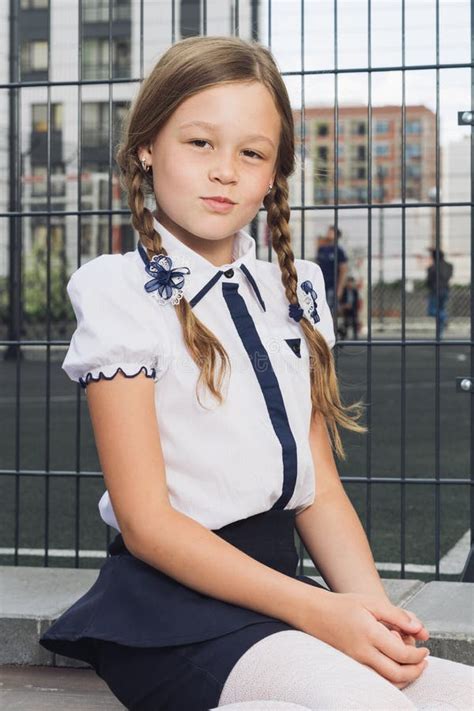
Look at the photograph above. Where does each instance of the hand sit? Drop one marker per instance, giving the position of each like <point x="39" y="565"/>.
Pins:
<point x="407" y="638"/>
<point x="370" y="641"/>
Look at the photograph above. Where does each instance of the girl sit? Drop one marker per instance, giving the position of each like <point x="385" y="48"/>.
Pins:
<point x="214" y="402"/>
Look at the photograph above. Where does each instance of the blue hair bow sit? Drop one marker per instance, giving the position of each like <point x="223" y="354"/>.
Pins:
<point x="311" y="299"/>
<point x="167" y="283"/>
<point x="296" y="312"/>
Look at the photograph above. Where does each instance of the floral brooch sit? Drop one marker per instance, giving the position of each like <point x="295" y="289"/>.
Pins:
<point x="295" y="310"/>
<point x="167" y="283"/>
<point x="311" y="299"/>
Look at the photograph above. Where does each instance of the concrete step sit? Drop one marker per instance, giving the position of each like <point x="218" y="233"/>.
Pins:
<point x="51" y="689"/>
<point x="31" y="598"/>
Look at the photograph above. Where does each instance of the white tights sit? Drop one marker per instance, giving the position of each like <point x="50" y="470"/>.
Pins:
<point x="299" y="669"/>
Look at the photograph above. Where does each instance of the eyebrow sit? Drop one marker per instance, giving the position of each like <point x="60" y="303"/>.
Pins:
<point x="212" y="126"/>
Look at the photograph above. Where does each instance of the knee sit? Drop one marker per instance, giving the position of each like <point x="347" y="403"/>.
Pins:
<point x="295" y="667"/>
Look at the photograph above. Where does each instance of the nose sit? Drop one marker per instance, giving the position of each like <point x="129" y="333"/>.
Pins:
<point x="224" y="169"/>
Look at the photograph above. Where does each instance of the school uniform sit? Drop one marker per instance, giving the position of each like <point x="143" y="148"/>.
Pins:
<point x="242" y="469"/>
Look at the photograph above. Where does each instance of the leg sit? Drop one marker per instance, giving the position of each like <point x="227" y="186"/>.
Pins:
<point x="443" y="685"/>
<point x="262" y="706"/>
<point x="298" y="668"/>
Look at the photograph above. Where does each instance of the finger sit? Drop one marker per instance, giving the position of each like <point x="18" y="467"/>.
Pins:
<point x="422" y="632"/>
<point x="402" y="674"/>
<point x="404" y="620"/>
<point x="406" y="638"/>
<point x="393" y="646"/>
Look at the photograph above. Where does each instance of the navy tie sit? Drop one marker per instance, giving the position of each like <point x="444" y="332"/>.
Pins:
<point x="269" y="385"/>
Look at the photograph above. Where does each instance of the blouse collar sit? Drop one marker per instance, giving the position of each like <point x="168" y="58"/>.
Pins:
<point x="203" y="275"/>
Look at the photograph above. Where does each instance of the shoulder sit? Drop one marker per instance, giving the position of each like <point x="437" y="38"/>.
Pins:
<point x="109" y="277"/>
<point x="98" y="271"/>
<point x="306" y="270"/>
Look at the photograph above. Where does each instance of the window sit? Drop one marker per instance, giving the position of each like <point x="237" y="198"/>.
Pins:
<point x="98" y="10"/>
<point x="414" y="126"/>
<point x="382" y="149"/>
<point x="39" y="180"/>
<point x="58" y="182"/>
<point x="382" y="171"/>
<point x="361" y="194"/>
<point x="323" y="153"/>
<point x="358" y="173"/>
<point x="190" y="18"/>
<point x="34" y="56"/>
<point x="39" y="117"/>
<point x="413" y="170"/>
<point x="95" y="121"/>
<point x="34" y="4"/>
<point x="413" y="150"/>
<point x="359" y="128"/>
<point x="382" y="126"/>
<point x="358" y="153"/>
<point x="322" y="129"/>
<point x="121" y="58"/>
<point x="321" y="195"/>
<point x="95" y="58"/>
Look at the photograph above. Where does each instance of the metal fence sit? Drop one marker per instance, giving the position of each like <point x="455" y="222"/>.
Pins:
<point x="381" y="99"/>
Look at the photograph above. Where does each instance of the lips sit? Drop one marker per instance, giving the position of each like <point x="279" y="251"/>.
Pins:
<point x="219" y="198"/>
<point x="218" y="205"/>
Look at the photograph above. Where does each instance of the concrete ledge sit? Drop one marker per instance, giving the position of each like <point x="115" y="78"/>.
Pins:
<point x="50" y="689"/>
<point x="31" y="598"/>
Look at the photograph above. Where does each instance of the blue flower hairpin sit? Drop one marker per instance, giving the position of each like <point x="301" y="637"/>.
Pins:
<point x="167" y="283"/>
<point x="310" y="299"/>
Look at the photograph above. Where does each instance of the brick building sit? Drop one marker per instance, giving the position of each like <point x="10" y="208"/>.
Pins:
<point x="386" y="153"/>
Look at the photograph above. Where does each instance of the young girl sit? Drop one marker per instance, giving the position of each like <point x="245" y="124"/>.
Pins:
<point x="215" y="406"/>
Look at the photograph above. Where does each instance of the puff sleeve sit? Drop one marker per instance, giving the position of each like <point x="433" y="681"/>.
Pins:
<point x="114" y="332"/>
<point x="311" y="284"/>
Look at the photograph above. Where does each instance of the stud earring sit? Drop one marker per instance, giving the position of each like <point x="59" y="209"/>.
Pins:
<point x="145" y="166"/>
<point x="269" y="188"/>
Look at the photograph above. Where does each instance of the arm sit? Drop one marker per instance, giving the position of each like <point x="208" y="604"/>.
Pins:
<point x="330" y="528"/>
<point x="126" y="432"/>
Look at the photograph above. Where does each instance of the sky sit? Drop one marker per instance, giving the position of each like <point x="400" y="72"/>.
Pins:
<point x="386" y="50"/>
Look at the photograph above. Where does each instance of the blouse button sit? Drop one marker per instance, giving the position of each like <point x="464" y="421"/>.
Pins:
<point x="229" y="273"/>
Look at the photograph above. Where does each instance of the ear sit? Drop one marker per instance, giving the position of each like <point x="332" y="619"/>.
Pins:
<point x="144" y="151"/>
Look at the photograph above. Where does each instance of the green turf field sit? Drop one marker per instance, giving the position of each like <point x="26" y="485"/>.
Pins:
<point x="61" y="511"/>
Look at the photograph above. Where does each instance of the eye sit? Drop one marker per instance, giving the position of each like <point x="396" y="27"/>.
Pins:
<point x="255" y="154"/>
<point x="199" y="140"/>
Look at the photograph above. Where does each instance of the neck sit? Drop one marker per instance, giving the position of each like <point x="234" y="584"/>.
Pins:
<point x="217" y="252"/>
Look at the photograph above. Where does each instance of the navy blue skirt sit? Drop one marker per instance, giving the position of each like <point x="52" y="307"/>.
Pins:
<point x="159" y="644"/>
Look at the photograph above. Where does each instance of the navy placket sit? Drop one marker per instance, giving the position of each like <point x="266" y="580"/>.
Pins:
<point x="269" y="385"/>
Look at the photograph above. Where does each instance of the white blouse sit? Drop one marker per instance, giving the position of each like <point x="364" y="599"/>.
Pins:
<point x="223" y="463"/>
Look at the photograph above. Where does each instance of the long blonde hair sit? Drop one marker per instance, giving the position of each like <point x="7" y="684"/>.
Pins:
<point x="186" y="68"/>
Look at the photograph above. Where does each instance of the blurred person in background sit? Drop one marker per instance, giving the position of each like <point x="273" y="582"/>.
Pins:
<point x="437" y="307"/>
<point x="349" y="304"/>
<point x="325" y="257"/>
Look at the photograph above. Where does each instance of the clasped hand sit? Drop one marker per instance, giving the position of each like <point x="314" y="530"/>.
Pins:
<point x="382" y="635"/>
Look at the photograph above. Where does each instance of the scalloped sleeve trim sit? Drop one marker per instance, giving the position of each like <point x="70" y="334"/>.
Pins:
<point x="108" y="372"/>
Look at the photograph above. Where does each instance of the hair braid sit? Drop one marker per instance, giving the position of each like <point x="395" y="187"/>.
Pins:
<point x="325" y="394"/>
<point x="201" y="343"/>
